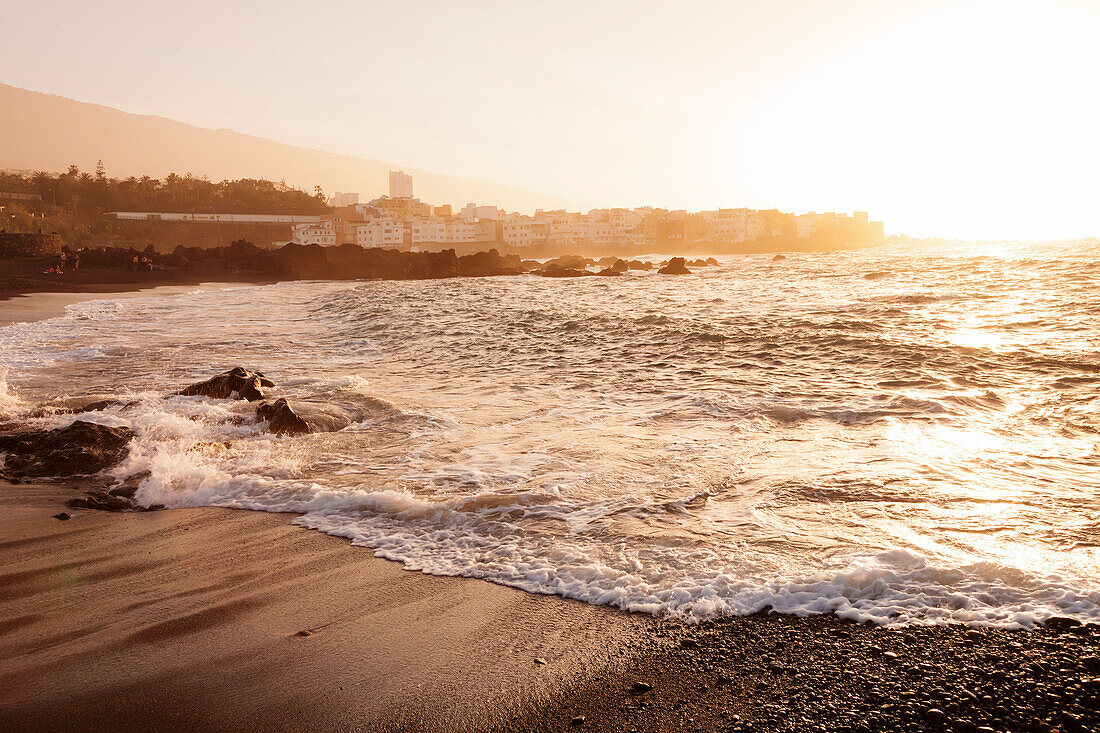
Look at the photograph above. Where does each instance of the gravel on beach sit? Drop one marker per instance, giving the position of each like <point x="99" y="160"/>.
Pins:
<point x="781" y="673"/>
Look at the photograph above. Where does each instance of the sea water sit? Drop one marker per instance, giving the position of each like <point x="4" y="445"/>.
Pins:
<point x="896" y="435"/>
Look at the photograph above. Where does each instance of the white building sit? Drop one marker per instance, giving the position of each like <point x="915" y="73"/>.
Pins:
<point x="216" y="218"/>
<point x="473" y="212"/>
<point x="425" y="231"/>
<point x="524" y="231"/>
<point x="339" y="199"/>
<point x="459" y="231"/>
<point x="401" y="185"/>
<point x="734" y="225"/>
<point x="322" y="233"/>
<point x="807" y="225"/>
<point x="582" y="232"/>
<point x="380" y="233"/>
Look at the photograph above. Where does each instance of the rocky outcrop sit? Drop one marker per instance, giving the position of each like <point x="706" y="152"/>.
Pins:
<point x="558" y="271"/>
<point x="305" y="416"/>
<point x="572" y="262"/>
<point x="108" y="501"/>
<point x="80" y="448"/>
<point x="236" y="384"/>
<point x="282" y="418"/>
<point x="675" y="266"/>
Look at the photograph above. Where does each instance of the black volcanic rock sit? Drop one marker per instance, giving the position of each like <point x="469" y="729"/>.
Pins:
<point x="237" y="383"/>
<point x="107" y="502"/>
<point x="571" y="262"/>
<point x="558" y="271"/>
<point x="489" y="263"/>
<point x="80" y="448"/>
<point x="675" y="266"/>
<point x="306" y="416"/>
<point x="282" y="418"/>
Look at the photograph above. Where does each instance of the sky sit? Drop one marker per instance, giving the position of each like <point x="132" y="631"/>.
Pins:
<point x="957" y="119"/>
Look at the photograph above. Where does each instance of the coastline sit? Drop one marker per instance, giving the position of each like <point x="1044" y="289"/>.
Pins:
<point x="189" y="619"/>
<point x="41" y="304"/>
<point x="192" y="619"/>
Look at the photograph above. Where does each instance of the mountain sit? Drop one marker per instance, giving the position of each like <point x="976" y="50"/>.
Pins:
<point x="48" y="132"/>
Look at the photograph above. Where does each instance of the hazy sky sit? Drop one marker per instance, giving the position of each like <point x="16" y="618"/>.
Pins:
<point x="973" y="119"/>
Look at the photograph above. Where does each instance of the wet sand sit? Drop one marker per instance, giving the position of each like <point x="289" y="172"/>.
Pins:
<point x="40" y="305"/>
<point x="189" y="620"/>
<point x="192" y="619"/>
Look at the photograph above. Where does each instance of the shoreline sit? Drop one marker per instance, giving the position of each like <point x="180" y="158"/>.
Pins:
<point x="193" y="619"/>
<point x="189" y="619"/>
<point x="42" y="304"/>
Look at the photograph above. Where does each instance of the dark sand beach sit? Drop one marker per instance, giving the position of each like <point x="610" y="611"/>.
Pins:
<point x="190" y="619"/>
<point x="16" y="307"/>
<point x="193" y="619"/>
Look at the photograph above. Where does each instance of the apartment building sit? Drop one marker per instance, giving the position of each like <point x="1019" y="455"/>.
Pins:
<point x="322" y="233"/>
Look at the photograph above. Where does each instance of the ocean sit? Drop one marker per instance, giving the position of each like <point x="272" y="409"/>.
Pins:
<point x="897" y="435"/>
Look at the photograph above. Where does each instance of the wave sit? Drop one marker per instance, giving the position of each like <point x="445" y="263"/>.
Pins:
<point x="892" y="588"/>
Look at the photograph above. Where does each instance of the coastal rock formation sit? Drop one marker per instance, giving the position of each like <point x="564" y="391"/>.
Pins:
<point x="109" y="501"/>
<point x="778" y="258"/>
<point x="80" y="448"/>
<point x="572" y="262"/>
<point x="675" y="266"/>
<point x="238" y="383"/>
<point x="609" y="272"/>
<point x="343" y="262"/>
<point x="559" y="271"/>
<point x="620" y="266"/>
<point x="306" y="416"/>
<point x="282" y="418"/>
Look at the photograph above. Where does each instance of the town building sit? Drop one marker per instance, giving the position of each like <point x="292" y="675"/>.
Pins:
<point x="401" y="185"/>
<point x="400" y="220"/>
<point x="339" y="200"/>
<point x="322" y="233"/>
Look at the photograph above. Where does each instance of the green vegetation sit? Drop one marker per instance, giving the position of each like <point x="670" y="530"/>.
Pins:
<point x="75" y="205"/>
<point x="87" y="193"/>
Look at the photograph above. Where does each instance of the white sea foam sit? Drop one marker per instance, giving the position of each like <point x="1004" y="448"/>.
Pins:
<point x="629" y="442"/>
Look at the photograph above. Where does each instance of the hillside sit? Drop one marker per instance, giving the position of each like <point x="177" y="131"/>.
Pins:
<point x="47" y="132"/>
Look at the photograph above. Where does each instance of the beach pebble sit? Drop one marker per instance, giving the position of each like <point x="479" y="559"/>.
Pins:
<point x="62" y="516"/>
<point x="577" y="720"/>
<point x="304" y="632"/>
<point x="540" y="661"/>
<point x="935" y="716"/>
<point x="639" y="688"/>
